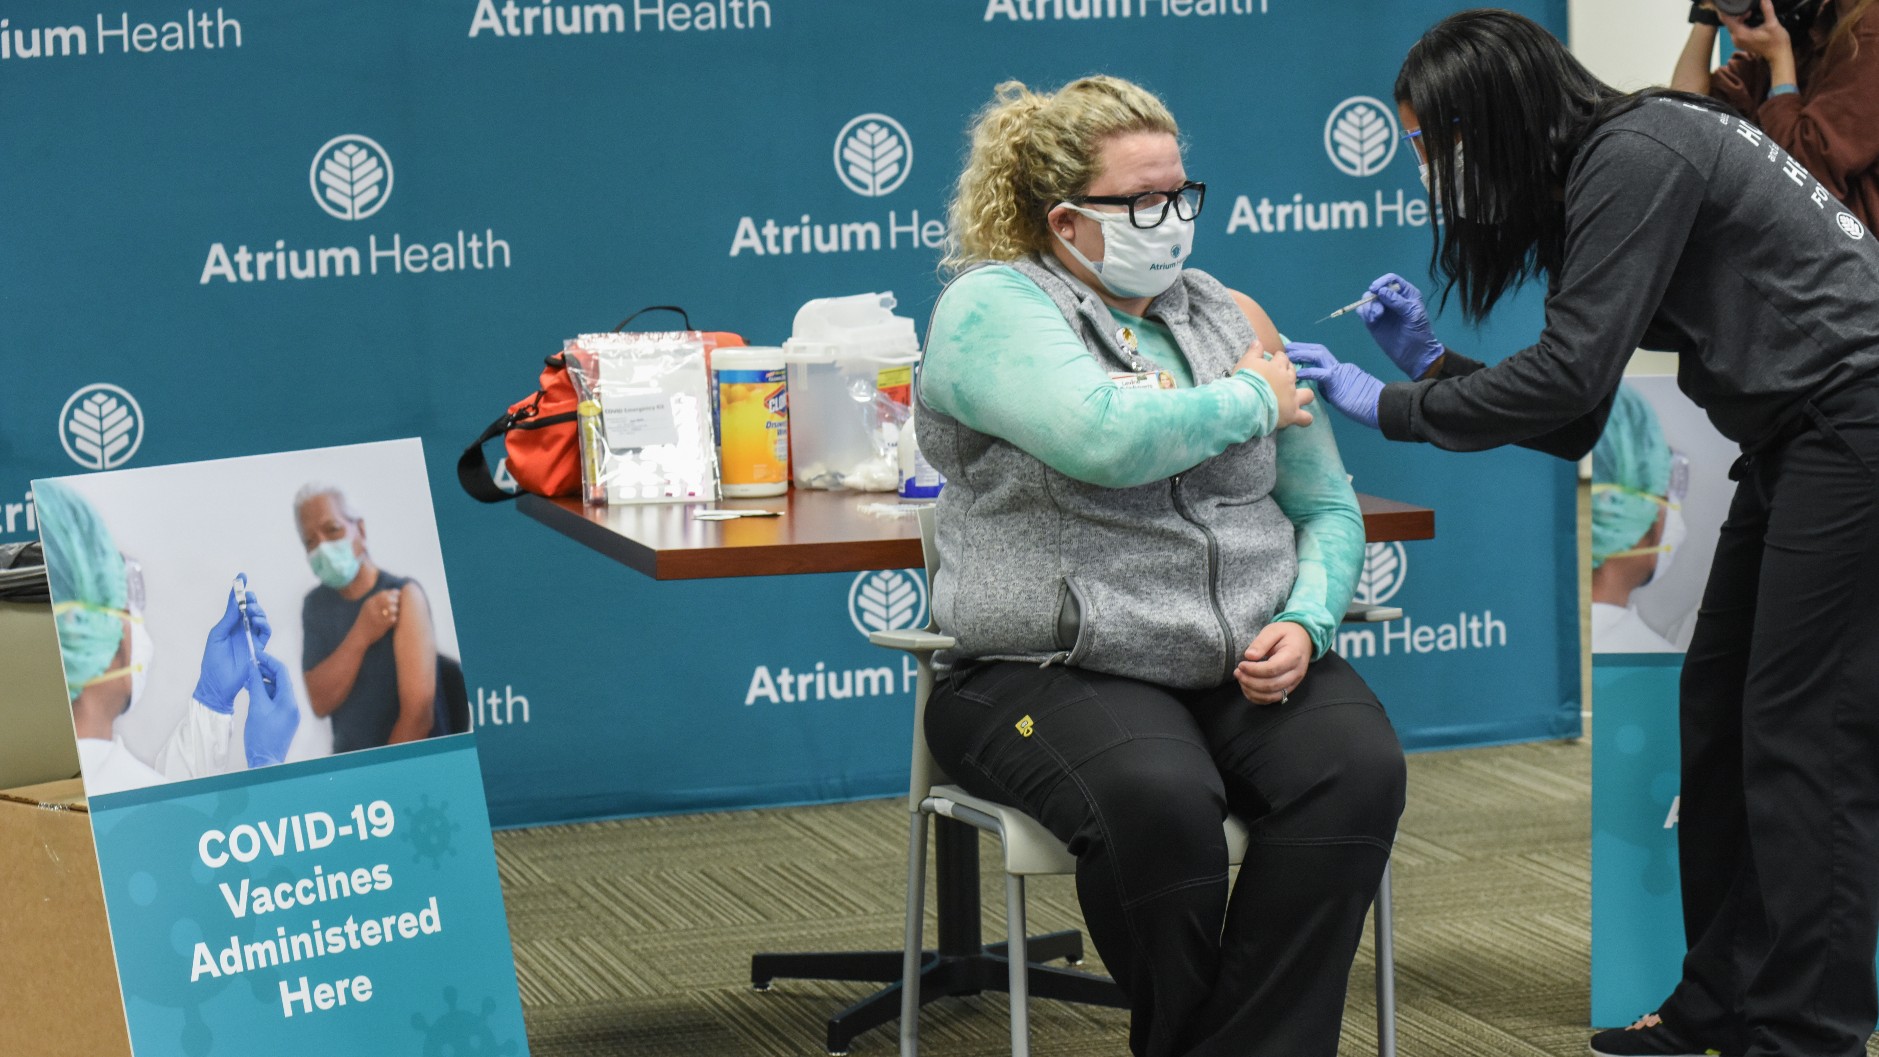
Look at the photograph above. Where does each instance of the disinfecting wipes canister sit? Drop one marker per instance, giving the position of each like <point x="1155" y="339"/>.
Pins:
<point x="753" y="421"/>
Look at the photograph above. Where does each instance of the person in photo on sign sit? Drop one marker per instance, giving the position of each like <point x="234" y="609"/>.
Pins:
<point x="1146" y="546"/>
<point x="1813" y="89"/>
<point x="1638" y="485"/>
<point x="98" y="603"/>
<point x="370" y="649"/>
<point x="1660" y="219"/>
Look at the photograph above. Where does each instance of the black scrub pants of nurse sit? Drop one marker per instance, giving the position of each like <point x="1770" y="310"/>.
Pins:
<point x="1663" y="221"/>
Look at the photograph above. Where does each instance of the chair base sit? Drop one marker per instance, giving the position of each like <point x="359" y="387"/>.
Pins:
<point x="941" y="976"/>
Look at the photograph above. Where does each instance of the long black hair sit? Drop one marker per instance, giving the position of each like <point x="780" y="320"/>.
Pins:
<point x="1504" y="85"/>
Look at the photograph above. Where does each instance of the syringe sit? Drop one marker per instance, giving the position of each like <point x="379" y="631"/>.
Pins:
<point x="1355" y="305"/>
<point x="241" y="603"/>
<point x="247" y="624"/>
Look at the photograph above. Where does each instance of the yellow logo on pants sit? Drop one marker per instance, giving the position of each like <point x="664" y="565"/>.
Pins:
<point x="1025" y="726"/>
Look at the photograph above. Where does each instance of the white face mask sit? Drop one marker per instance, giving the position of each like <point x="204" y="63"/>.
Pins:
<point x="142" y="649"/>
<point x="1137" y="262"/>
<point x="1461" y="184"/>
<point x="1675" y="531"/>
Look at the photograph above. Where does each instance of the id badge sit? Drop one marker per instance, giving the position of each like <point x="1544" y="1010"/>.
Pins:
<point x="1143" y="380"/>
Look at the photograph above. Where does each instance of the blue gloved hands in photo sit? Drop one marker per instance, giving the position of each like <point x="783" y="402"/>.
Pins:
<point x="273" y="712"/>
<point x="225" y="660"/>
<point x="1345" y="386"/>
<point x="1399" y="324"/>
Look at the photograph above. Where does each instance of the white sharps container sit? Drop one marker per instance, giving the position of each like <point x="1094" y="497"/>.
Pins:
<point x="850" y="362"/>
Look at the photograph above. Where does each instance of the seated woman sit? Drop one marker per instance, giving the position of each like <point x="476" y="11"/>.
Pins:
<point x="370" y="653"/>
<point x="1146" y="546"/>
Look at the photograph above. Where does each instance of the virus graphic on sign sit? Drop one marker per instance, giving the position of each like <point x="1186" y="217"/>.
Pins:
<point x="461" y="1033"/>
<point x="873" y="155"/>
<point x="351" y="177"/>
<point x="429" y="829"/>
<point x="1361" y="136"/>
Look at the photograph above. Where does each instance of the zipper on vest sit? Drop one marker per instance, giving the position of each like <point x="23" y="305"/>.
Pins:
<point x="1055" y="658"/>
<point x="1213" y="571"/>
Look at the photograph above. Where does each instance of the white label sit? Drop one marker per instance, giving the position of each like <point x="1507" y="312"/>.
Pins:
<point x="640" y="421"/>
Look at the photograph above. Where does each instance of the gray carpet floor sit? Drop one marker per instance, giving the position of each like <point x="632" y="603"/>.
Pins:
<point x="634" y="937"/>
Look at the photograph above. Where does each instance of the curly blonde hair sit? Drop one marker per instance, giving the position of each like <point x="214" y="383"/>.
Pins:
<point x="1031" y="150"/>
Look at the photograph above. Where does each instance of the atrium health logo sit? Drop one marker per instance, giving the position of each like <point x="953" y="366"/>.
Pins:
<point x="1851" y="225"/>
<point x="1386" y="566"/>
<point x="1361" y="136"/>
<point x="889" y="600"/>
<point x="873" y="155"/>
<point x="101" y="426"/>
<point x="351" y="177"/>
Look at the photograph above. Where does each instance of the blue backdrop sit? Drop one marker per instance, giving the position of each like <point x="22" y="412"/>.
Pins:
<point x="257" y="227"/>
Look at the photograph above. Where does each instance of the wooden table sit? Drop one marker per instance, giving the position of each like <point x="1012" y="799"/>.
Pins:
<point x="819" y="532"/>
<point x="826" y="532"/>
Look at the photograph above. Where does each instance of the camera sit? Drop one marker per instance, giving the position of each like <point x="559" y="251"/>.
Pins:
<point x="1797" y="16"/>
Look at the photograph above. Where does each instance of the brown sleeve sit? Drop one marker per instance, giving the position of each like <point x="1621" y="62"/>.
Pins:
<point x="1742" y="82"/>
<point x="1833" y="127"/>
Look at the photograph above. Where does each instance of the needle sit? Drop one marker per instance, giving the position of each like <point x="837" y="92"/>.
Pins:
<point x="1352" y="307"/>
<point x="1355" y="305"/>
<point x="247" y="622"/>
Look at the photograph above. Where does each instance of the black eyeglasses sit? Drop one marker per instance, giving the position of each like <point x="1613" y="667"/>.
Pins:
<point x="1149" y="208"/>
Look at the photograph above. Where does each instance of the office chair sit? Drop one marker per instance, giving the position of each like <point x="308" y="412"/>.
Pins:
<point x="1030" y="849"/>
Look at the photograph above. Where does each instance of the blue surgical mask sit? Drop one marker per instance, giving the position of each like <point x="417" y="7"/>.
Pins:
<point x="334" y="563"/>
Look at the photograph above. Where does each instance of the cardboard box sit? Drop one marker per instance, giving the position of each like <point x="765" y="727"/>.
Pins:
<point x="58" y="978"/>
<point x="38" y="746"/>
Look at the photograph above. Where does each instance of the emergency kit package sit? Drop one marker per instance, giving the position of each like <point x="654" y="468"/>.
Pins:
<point x="644" y="417"/>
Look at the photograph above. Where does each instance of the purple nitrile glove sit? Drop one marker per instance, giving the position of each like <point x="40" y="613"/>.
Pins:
<point x="1345" y="386"/>
<point x="273" y="712"/>
<point x="225" y="661"/>
<point x="1399" y="324"/>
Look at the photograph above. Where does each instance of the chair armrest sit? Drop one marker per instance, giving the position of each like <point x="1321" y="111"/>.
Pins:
<point x="1360" y="613"/>
<point x="913" y="641"/>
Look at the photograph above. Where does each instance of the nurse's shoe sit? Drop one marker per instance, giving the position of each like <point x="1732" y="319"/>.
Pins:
<point x="1649" y="1037"/>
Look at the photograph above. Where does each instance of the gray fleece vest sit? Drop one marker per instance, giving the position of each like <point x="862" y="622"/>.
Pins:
<point x="1167" y="582"/>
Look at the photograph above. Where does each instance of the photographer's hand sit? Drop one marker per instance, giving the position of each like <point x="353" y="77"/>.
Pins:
<point x="1692" y="72"/>
<point x="1768" y="42"/>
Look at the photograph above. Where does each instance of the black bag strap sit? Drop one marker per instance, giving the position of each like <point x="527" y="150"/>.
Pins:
<point x="473" y="471"/>
<point x="655" y="308"/>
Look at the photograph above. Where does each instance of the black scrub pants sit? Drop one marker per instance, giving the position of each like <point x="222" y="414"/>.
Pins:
<point x="1778" y="832"/>
<point x="1137" y="779"/>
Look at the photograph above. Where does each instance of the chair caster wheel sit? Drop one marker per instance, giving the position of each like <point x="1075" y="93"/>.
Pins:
<point x="765" y="986"/>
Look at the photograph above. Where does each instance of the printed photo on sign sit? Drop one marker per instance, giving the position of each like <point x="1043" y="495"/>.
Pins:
<point x="220" y="616"/>
<point x="1660" y="491"/>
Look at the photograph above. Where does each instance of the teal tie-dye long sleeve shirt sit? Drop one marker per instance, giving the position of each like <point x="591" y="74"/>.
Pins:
<point x="1001" y="359"/>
